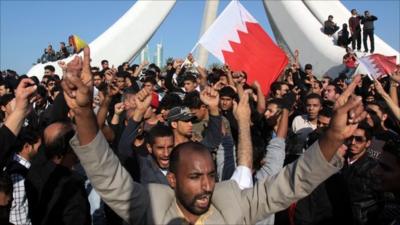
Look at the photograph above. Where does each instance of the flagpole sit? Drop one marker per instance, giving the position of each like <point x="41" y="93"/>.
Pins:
<point x="194" y="48"/>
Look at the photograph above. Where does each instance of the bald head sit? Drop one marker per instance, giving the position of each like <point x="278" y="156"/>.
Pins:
<point x="56" y="130"/>
<point x="185" y="151"/>
<point x="56" y="139"/>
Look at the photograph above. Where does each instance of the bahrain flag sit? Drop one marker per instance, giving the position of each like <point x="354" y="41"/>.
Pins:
<point x="376" y="65"/>
<point x="238" y="40"/>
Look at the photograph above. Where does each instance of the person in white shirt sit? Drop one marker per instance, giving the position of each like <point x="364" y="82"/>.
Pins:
<point x="303" y="125"/>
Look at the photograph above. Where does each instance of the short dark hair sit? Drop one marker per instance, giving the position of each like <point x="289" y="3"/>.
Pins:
<point x="338" y="90"/>
<point x="5" y="99"/>
<point x="277" y="101"/>
<point x="382" y="106"/>
<point x="169" y="101"/>
<point x="314" y="96"/>
<point x="192" y="100"/>
<point x="188" y="76"/>
<point x="275" y="86"/>
<point x="101" y="75"/>
<point x="327" y="77"/>
<point x="150" y="79"/>
<point x="41" y="90"/>
<point x="228" y="92"/>
<point x="367" y="129"/>
<point x="104" y="61"/>
<point x="174" y="157"/>
<point x="319" y="83"/>
<point x="26" y="136"/>
<point x="154" y="67"/>
<point x="50" y="67"/>
<point x="159" y="130"/>
<point x="130" y="90"/>
<point x="122" y="74"/>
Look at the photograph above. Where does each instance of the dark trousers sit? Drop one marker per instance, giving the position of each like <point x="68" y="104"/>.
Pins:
<point x="356" y="37"/>
<point x="369" y="33"/>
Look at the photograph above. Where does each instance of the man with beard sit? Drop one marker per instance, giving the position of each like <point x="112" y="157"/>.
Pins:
<point x="226" y="98"/>
<point x="194" y="197"/>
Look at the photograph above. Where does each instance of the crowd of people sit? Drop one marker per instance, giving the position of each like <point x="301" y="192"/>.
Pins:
<point x="354" y="37"/>
<point x="187" y="145"/>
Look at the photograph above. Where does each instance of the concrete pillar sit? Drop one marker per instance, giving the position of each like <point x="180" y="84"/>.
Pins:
<point x="210" y="14"/>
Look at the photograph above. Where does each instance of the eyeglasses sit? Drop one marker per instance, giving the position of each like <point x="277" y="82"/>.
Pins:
<point x="358" y="139"/>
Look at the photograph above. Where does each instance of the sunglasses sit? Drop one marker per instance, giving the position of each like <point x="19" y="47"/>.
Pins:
<point x="358" y="139"/>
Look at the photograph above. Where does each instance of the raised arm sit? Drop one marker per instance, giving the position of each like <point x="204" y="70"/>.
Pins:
<point x="15" y="120"/>
<point x="114" y="184"/>
<point x="275" y="156"/>
<point x="243" y="172"/>
<point x="260" y="98"/>
<point x="213" y="134"/>
<point x="389" y="101"/>
<point x="202" y="71"/>
<point x="301" y="177"/>
<point x="142" y="100"/>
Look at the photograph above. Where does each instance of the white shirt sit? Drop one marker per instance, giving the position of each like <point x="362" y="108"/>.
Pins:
<point x="302" y="127"/>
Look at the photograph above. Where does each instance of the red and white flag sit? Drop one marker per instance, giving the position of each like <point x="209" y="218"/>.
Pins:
<point x="237" y="39"/>
<point x="376" y="65"/>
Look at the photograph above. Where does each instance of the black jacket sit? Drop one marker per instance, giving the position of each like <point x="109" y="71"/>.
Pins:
<point x="365" y="200"/>
<point x="150" y="172"/>
<point x="56" y="195"/>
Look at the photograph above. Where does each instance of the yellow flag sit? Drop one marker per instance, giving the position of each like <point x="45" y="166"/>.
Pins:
<point x="77" y="43"/>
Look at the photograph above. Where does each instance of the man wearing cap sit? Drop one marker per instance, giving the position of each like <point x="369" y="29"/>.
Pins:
<point x="180" y="119"/>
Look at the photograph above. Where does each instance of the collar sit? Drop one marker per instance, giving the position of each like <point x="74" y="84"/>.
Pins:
<point x="22" y="161"/>
<point x="200" y="221"/>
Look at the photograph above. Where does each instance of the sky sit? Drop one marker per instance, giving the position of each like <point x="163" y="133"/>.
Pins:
<point x="27" y="27"/>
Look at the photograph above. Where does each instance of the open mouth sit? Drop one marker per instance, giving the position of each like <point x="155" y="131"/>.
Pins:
<point x="203" y="201"/>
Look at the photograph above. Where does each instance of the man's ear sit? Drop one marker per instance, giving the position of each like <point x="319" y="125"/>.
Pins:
<point x="384" y="116"/>
<point x="149" y="149"/>
<point x="368" y="143"/>
<point x="171" y="180"/>
<point x="174" y="125"/>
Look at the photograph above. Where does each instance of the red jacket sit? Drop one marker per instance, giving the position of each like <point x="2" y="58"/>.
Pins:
<point x="354" y="23"/>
